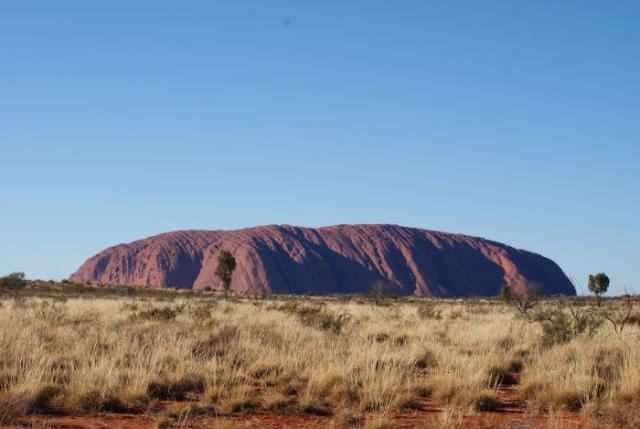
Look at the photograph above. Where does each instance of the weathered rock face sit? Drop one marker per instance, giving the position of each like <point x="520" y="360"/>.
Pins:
<point x="336" y="259"/>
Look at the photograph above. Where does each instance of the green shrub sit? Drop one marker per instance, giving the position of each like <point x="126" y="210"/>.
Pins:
<point x="556" y="327"/>
<point x="321" y="319"/>
<point x="159" y="313"/>
<point x="13" y="281"/>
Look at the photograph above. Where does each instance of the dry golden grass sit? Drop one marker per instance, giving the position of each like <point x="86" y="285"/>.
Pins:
<point x="340" y="358"/>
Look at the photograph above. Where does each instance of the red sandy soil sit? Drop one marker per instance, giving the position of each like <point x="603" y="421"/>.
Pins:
<point x="419" y="419"/>
<point x="511" y="415"/>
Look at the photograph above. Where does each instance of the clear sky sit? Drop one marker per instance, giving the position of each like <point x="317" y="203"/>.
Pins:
<point x="517" y="121"/>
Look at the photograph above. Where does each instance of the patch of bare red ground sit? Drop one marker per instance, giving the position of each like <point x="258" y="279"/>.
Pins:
<point x="508" y="418"/>
<point x="510" y="414"/>
<point x="415" y="420"/>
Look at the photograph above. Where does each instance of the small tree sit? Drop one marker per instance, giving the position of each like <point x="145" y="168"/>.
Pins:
<point x="528" y="301"/>
<point x="380" y="290"/>
<point x="598" y="284"/>
<point x="506" y="293"/>
<point x="619" y="315"/>
<point x="224" y="271"/>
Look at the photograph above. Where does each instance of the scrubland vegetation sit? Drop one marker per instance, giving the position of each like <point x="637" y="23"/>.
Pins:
<point x="70" y="350"/>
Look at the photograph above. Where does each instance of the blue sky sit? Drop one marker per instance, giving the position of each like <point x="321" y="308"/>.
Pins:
<point x="516" y="121"/>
